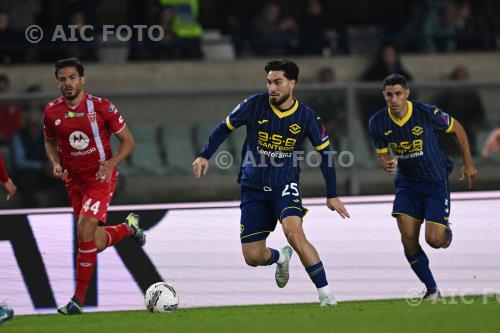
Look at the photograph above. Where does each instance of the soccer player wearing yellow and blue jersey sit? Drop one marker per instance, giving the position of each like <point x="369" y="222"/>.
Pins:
<point x="410" y="130"/>
<point x="276" y="125"/>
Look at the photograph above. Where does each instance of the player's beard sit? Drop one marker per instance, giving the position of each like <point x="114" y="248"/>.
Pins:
<point x="69" y="96"/>
<point x="278" y="102"/>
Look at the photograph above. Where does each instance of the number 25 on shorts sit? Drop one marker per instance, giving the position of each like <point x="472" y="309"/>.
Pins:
<point x="293" y="187"/>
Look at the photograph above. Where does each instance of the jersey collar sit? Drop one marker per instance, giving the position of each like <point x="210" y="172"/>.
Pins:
<point x="283" y="114"/>
<point x="82" y="102"/>
<point x="405" y="119"/>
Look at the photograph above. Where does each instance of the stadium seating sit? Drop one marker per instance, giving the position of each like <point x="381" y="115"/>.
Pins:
<point x="179" y="152"/>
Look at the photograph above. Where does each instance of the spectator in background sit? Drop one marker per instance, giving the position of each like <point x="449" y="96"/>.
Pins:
<point x="274" y="35"/>
<point x="22" y="12"/>
<point x="31" y="168"/>
<point x="465" y="105"/>
<point x="185" y="26"/>
<point x="10" y="114"/>
<point x="330" y="106"/>
<point x="166" y="48"/>
<point x="387" y="62"/>
<point x="81" y="49"/>
<point x="440" y="28"/>
<point x="12" y="42"/>
<point x="318" y="32"/>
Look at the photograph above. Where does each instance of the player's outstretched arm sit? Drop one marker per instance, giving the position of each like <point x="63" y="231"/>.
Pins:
<point x="5" y="181"/>
<point x="127" y="144"/>
<point x="337" y="205"/>
<point x="53" y="154"/>
<point x="10" y="187"/>
<point x="468" y="171"/>
<point x="200" y="167"/>
<point x="492" y="144"/>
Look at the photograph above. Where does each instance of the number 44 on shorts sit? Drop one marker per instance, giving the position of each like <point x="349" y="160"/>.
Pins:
<point x="93" y="207"/>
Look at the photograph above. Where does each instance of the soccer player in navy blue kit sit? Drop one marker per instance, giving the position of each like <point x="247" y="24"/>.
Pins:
<point x="276" y="125"/>
<point x="410" y="129"/>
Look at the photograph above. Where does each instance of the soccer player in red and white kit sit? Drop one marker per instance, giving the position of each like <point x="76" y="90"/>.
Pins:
<point x="77" y="128"/>
<point x="6" y="181"/>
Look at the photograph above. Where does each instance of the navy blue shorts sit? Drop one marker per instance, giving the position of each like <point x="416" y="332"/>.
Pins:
<point x="423" y="200"/>
<point x="262" y="208"/>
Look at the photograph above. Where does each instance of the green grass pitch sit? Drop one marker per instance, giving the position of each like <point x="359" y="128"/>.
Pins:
<point x="448" y="315"/>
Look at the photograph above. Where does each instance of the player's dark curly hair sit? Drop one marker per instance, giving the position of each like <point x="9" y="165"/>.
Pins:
<point x="70" y="62"/>
<point x="289" y="67"/>
<point x="393" y="79"/>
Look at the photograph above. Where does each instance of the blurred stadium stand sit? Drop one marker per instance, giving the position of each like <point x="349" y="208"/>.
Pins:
<point x="171" y="99"/>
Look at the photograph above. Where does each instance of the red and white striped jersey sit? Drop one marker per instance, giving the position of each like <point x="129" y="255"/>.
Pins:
<point x="83" y="133"/>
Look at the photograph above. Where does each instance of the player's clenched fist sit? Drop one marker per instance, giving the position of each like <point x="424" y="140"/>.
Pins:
<point x="391" y="166"/>
<point x="59" y="173"/>
<point x="200" y="167"/>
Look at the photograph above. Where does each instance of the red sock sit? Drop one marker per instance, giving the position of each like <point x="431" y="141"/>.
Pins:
<point x="85" y="263"/>
<point x="116" y="233"/>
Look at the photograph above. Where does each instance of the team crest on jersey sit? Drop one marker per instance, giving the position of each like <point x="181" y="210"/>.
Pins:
<point x="91" y="116"/>
<point x="57" y="122"/>
<point x="294" y="128"/>
<point x="417" y="130"/>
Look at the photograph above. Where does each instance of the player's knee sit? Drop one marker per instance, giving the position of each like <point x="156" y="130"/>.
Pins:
<point x="253" y="257"/>
<point x="252" y="262"/>
<point x="435" y="240"/>
<point x="410" y="242"/>
<point x="295" y="237"/>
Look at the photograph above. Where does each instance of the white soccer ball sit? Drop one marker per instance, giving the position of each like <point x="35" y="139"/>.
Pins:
<point x="161" y="297"/>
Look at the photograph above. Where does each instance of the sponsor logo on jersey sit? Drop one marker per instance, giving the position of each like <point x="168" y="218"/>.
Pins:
<point x="83" y="152"/>
<point x="72" y="114"/>
<point x="79" y="140"/>
<point x="262" y="121"/>
<point x="417" y="130"/>
<point x="112" y="108"/>
<point x="57" y="122"/>
<point x="387" y="132"/>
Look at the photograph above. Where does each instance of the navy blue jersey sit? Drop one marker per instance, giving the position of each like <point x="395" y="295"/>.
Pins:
<point x="414" y="141"/>
<point x="273" y="138"/>
<point x="276" y="134"/>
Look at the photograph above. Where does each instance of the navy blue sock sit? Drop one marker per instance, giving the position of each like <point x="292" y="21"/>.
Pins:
<point x="420" y="265"/>
<point x="275" y="255"/>
<point x="317" y="274"/>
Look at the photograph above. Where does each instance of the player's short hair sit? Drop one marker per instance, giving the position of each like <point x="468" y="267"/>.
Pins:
<point x="70" y="62"/>
<point x="393" y="79"/>
<point x="290" y="68"/>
